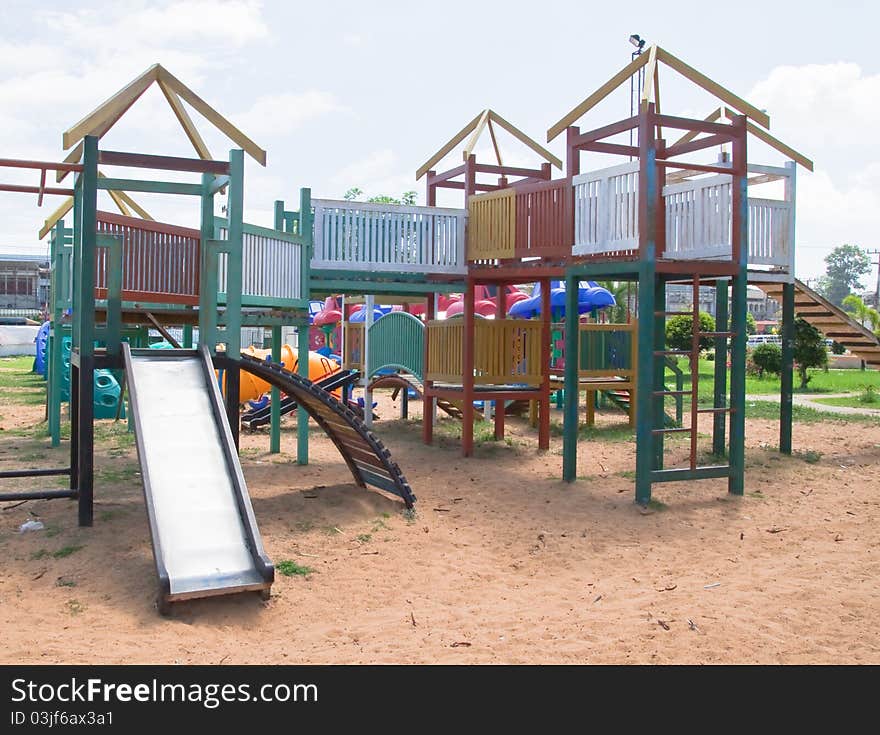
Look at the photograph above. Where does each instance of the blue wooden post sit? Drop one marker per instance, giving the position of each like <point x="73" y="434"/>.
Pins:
<point x="787" y="374"/>
<point x="572" y="358"/>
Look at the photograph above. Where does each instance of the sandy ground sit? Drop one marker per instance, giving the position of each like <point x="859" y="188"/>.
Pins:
<point x="502" y="562"/>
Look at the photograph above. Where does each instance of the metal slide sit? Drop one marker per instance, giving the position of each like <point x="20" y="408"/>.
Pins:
<point x="205" y="538"/>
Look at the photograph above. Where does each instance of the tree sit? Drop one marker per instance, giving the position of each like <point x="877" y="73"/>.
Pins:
<point x="844" y="268"/>
<point x="679" y="331"/>
<point x="408" y="198"/>
<point x="768" y="358"/>
<point x="751" y="324"/>
<point x="861" y="312"/>
<point x="809" y="349"/>
<point x="619" y="289"/>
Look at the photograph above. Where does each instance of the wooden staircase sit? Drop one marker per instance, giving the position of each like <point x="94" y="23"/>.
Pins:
<point x="832" y="321"/>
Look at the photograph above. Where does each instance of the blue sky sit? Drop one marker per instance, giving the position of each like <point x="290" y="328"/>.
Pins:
<point x="360" y="94"/>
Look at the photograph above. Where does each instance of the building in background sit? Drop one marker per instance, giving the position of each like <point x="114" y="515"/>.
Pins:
<point x="24" y="278"/>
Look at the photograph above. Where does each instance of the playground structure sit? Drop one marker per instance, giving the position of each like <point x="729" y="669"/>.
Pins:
<point x="118" y="275"/>
<point x="655" y="218"/>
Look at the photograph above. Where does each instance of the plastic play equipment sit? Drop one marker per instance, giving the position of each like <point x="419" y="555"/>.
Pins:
<point x="41" y="349"/>
<point x="591" y="297"/>
<point x="367" y="458"/>
<point x="261" y="414"/>
<point x="485" y="301"/>
<point x="252" y="387"/>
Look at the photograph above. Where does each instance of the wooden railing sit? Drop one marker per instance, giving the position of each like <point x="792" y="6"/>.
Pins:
<point x="492" y="226"/>
<point x="544" y="224"/>
<point x="506" y="351"/>
<point x="606" y="210"/>
<point x="271" y="267"/>
<point x="160" y="262"/>
<point x="388" y="238"/>
<point x="698" y="217"/>
<point x="606" y="350"/>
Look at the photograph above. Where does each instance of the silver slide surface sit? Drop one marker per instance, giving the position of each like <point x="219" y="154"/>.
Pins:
<point x="205" y="537"/>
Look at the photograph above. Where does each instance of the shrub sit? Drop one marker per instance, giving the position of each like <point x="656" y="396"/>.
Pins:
<point x="679" y="332"/>
<point x="768" y="359"/>
<point x="837" y="348"/>
<point x="809" y="349"/>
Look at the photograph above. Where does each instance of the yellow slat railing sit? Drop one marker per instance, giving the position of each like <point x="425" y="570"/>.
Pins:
<point x="506" y="351"/>
<point x="491" y="230"/>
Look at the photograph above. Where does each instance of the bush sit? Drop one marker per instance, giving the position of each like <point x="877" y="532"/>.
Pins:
<point x="751" y="324"/>
<point x="767" y="359"/>
<point x="679" y="332"/>
<point x="837" y="348"/>
<point x="809" y="349"/>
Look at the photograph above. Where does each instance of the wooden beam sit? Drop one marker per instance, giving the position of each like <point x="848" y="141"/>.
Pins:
<point x="112" y="108"/>
<point x="120" y="203"/>
<point x="779" y="146"/>
<point x="525" y="139"/>
<point x="63" y="209"/>
<point x="725" y="95"/>
<point x="475" y="136"/>
<point x="444" y="151"/>
<point x="691" y="134"/>
<point x="596" y="97"/>
<point x="185" y="121"/>
<point x="214" y="117"/>
<point x="650" y="69"/>
<point x="657" y="98"/>
<point x="495" y="143"/>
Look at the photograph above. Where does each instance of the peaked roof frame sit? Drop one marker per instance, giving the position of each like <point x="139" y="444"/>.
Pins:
<point x="488" y="118"/>
<point x="100" y="120"/>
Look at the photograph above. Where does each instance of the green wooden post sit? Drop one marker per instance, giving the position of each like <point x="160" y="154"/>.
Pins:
<point x="719" y="422"/>
<point x="207" y="269"/>
<point x="739" y="309"/>
<point x="232" y="312"/>
<point x="113" y="334"/>
<point x="188" y="334"/>
<point x="645" y="420"/>
<point x="55" y="361"/>
<point x="302" y="416"/>
<point x="275" y="397"/>
<point x="85" y="319"/>
<point x="787" y="375"/>
<point x="572" y="394"/>
<point x="658" y="381"/>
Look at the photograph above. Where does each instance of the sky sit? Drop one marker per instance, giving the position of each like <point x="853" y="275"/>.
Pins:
<point x="345" y="94"/>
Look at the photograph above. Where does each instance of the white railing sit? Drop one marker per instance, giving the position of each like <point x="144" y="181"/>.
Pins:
<point x="698" y="219"/>
<point x="698" y="216"/>
<point x="388" y="237"/>
<point x="606" y="210"/>
<point x="271" y="265"/>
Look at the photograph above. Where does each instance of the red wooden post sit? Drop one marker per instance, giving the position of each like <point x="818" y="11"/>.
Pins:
<point x="431" y="197"/>
<point x="660" y="212"/>
<point x="467" y="370"/>
<point x="544" y="417"/>
<point x="470" y="177"/>
<point x="427" y="400"/>
<point x="573" y="155"/>
<point x="500" y="313"/>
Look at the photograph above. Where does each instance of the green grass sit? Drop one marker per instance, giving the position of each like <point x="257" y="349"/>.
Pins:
<point x="290" y="568"/>
<point x="66" y="551"/>
<point x="804" y="414"/>
<point x="834" y="381"/>
<point x="849" y="401"/>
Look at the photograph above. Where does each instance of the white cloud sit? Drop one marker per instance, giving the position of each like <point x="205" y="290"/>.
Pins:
<point x="379" y="173"/>
<point x="282" y="113"/>
<point x="830" y="113"/>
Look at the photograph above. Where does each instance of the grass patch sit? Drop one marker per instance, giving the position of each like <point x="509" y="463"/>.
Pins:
<point x="290" y="568"/>
<point x="65" y="582"/>
<point x="657" y="505"/>
<point x="52" y="530"/>
<point x="109" y="515"/>
<point x="857" y="401"/>
<point x="364" y="538"/>
<point x="75" y="607"/>
<point x="66" y="551"/>
<point x="804" y="414"/>
<point x="41" y="554"/>
<point x="810" y="456"/>
<point x="123" y="473"/>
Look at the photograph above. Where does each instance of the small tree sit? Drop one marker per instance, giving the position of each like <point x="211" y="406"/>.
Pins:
<point x="751" y="324"/>
<point x="809" y="349"/>
<point x="768" y="359"/>
<point x="679" y="331"/>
